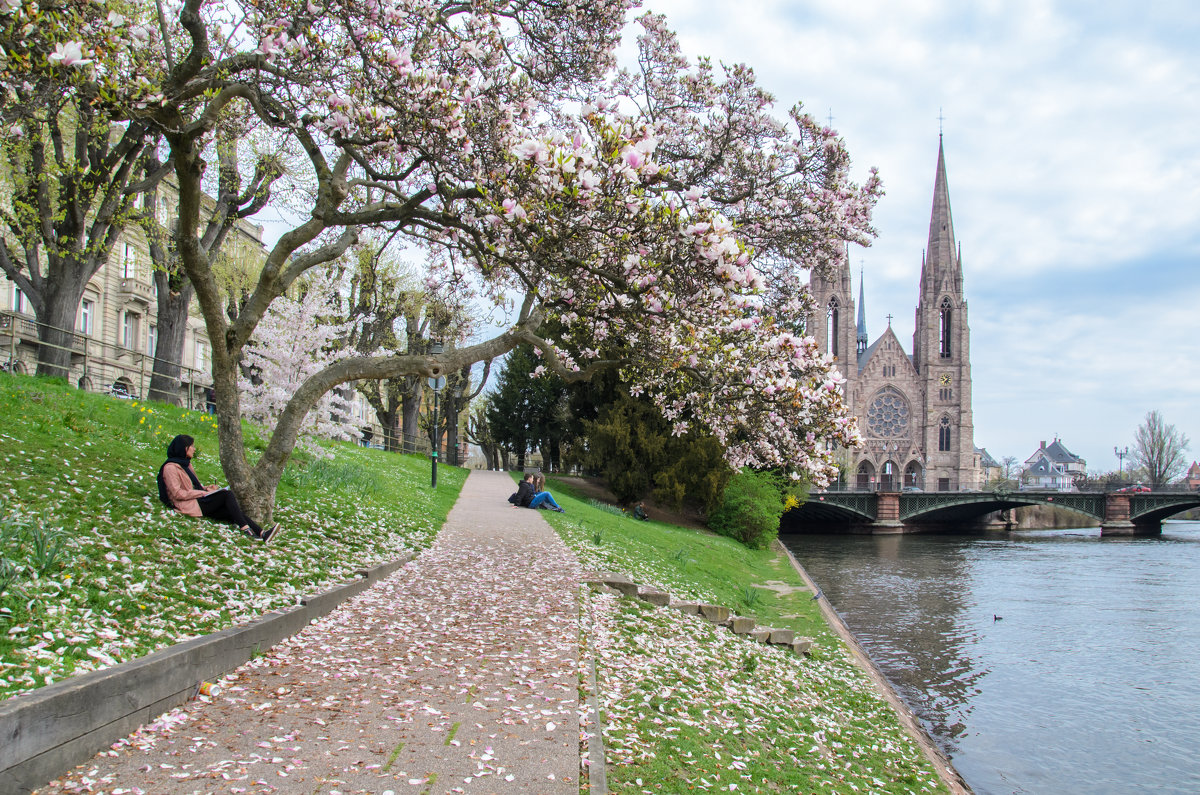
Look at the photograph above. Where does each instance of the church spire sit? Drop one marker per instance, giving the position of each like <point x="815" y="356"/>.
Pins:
<point x="941" y="252"/>
<point x="863" y="340"/>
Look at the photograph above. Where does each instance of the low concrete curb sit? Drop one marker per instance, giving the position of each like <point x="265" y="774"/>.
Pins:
<point x="597" y="765"/>
<point x="53" y="729"/>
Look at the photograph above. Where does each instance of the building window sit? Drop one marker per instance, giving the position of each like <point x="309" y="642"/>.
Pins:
<point x="887" y="416"/>
<point x="87" y="314"/>
<point x="832" y="329"/>
<point x="129" y="263"/>
<point x="200" y="360"/>
<point x="19" y="302"/>
<point x="944" y="334"/>
<point x="129" y="330"/>
<point x="152" y="339"/>
<point x="944" y="434"/>
<point x="943" y="484"/>
<point x="946" y="393"/>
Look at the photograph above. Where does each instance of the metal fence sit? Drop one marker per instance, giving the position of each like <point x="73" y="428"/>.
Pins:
<point x="96" y="365"/>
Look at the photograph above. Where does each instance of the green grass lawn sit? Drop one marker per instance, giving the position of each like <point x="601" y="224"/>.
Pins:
<point x="690" y="564"/>
<point x="688" y="706"/>
<point x="94" y="570"/>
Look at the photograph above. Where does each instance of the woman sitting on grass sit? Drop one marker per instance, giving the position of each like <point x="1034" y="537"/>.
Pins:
<point x="541" y="497"/>
<point x="179" y="488"/>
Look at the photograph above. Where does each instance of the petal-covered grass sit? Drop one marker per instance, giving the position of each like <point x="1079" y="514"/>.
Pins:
<point x="688" y="706"/>
<point x="690" y="564"/>
<point x="94" y="570"/>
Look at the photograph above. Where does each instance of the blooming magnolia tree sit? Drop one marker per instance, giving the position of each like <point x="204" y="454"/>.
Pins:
<point x="294" y="341"/>
<point x="664" y="210"/>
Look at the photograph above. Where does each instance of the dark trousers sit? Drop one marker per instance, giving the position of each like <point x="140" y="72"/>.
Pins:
<point x="223" y="506"/>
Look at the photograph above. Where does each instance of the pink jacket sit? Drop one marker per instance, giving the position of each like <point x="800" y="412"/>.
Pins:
<point x="179" y="489"/>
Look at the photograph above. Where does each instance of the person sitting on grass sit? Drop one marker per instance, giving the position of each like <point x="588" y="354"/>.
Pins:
<point x="639" y="512"/>
<point x="541" y="497"/>
<point x="179" y="488"/>
<point x="524" y="493"/>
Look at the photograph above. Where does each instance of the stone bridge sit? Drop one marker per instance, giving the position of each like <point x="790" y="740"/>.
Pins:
<point x="1117" y="513"/>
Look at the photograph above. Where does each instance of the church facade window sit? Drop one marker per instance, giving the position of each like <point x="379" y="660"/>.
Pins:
<point x="888" y="415"/>
<point x="944" y="434"/>
<point x="944" y="324"/>
<point x="832" y="327"/>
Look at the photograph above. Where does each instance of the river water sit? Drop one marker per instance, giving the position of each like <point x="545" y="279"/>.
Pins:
<point x="1042" y="662"/>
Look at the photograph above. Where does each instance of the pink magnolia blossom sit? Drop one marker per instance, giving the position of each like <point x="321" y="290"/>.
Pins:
<point x="69" y="53"/>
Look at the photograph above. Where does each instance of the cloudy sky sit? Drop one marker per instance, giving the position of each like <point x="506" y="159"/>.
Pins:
<point x="1072" y="137"/>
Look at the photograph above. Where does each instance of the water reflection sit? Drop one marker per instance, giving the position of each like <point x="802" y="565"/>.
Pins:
<point x="1038" y="660"/>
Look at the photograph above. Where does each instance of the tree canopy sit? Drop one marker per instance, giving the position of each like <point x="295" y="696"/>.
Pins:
<point x="1158" y="448"/>
<point x="665" y="207"/>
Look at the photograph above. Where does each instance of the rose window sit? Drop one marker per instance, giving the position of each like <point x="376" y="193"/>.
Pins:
<point x="887" y="417"/>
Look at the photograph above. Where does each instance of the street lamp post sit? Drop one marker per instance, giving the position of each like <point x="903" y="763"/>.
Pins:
<point x="1120" y="454"/>
<point x="435" y="383"/>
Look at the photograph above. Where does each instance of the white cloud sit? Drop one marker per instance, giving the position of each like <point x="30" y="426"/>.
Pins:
<point x="1074" y="176"/>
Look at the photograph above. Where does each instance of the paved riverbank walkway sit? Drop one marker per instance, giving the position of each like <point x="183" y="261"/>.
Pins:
<point x="456" y="674"/>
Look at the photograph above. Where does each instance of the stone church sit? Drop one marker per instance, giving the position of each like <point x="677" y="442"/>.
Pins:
<point x="914" y="410"/>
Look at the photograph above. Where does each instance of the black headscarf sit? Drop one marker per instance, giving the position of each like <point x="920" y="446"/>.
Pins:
<point x="177" y="454"/>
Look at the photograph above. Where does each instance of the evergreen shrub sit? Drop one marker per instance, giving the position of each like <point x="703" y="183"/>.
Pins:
<point x="751" y="508"/>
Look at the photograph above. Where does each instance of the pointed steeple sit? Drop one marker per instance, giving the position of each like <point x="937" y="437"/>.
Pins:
<point x="941" y="253"/>
<point x="863" y="340"/>
<point x="941" y="300"/>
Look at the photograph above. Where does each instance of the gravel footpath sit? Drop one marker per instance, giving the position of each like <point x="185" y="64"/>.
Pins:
<point x="456" y="674"/>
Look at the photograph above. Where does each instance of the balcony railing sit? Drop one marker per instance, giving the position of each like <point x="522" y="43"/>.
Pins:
<point x="137" y="290"/>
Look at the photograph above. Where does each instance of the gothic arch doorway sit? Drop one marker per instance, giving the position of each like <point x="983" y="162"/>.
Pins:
<point x="889" y="476"/>
<point x="914" y="476"/>
<point x="864" y="476"/>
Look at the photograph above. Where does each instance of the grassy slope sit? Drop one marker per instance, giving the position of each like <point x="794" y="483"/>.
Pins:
<point x="77" y="474"/>
<point x="689" y="706"/>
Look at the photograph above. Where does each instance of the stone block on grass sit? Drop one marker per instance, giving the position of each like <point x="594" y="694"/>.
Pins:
<point x="715" y="613"/>
<point x="689" y="608"/>
<point x="740" y="625"/>
<point x="620" y="583"/>
<point x="782" y="637"/>
<point x="654" y="596"/>
<point x="762" y="634"/>
<point x="802" y="645"/>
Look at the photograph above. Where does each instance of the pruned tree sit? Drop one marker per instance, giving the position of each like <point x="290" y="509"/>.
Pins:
<point x="1158" y="449"/>
<point x="456" y="400"/>
<point x="479" y="432"/>
<point x="231" y="201"/>
<point x="682" y="227"/>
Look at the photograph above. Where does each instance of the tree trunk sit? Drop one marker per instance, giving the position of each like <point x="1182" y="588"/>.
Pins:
<point x="172" y="333"/>
<point x="410" y="410"/>
<point x="452" y="433"/>
<point x="56" y="324"/>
